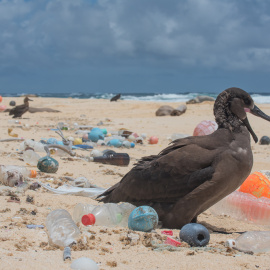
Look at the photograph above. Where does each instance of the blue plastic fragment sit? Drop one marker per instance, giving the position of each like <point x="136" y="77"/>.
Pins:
<point x="95" y="135"/>
<point x="33" y="226"/>
<point x="115" y="142"/>
<point x="84" y="146"/>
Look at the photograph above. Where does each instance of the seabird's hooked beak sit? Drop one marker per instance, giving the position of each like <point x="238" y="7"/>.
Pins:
<point x="257" y="112"/>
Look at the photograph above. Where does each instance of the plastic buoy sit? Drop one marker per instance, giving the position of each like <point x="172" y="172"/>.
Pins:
<point x="2" y="108"/>
<point x="77" y="141"/>
<point x="257" y="184"/>
<point x="196" y="235"/>
<point x="143" y="218"/>
<point x="265" y="140"/>
<point x="153" y="140"/>
<point x="96" y="135"/>
<point x="115" y="142"/>
<point x="205" y="127"/>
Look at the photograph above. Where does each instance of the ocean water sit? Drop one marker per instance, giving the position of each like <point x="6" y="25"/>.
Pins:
<point x="156" y="97"/>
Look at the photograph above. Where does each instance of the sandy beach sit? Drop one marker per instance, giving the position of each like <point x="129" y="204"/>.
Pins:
<point x="23" y="248"/>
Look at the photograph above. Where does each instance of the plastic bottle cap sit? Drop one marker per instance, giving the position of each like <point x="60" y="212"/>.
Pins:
<point x="230" y="243"/>
<point x="88" y="219"/>
<point x="33" y="174"/>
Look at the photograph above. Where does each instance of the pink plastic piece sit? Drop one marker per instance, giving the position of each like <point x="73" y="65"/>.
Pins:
<point x="2" y="108"/>
<point x="172" y="242"/>
<point x="153" y="140"/>
<point x="167" y="232"/>
<point x="205" y="127"/>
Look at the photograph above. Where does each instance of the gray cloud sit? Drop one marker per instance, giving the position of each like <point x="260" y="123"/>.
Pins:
<point x="228" y="35"/>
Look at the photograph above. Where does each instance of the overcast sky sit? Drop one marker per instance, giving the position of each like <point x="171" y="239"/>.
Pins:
<point x="134" y="45"/>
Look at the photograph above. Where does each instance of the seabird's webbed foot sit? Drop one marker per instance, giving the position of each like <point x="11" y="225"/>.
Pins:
<point x="194" y="220"/>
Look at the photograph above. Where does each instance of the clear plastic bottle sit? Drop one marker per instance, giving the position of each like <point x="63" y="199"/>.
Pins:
<point x="112" y="158"/>
<point x="82" y="209"/>
<point x="245" y="207"/>
<point x="13" y="175"/>
<point x="254" y="241"/>
<point x="58" y="152"/>
<point x="23" y="170"/>
<point x="109" y="214"/>
<point x="62" y="230"/>
<point x="126" y="209"/>
<point x="13" y="121"/>
<point x="31" y="157"/>
<point x="36" y="146"/>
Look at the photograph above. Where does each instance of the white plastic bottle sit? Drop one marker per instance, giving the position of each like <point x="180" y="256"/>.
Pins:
<point x="245" y="207"/>
<point x="82" y="209"/>
<point x="254" y="241"/>
<point x="109" y="214"/>
<point x="37" y="146"/>
<point x="62" y="230"/>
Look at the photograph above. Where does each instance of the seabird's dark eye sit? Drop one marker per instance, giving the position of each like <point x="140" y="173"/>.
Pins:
<point x="247" y="101"/>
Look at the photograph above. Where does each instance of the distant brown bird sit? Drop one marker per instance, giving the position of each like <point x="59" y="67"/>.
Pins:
<point x="196" y="172"/>
<point x="115" y="98"/>
<point x="19" y="110"/>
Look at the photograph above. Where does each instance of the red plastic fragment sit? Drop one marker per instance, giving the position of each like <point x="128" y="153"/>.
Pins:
<point x="167" y="232"/>
<point x="172" y="242"/>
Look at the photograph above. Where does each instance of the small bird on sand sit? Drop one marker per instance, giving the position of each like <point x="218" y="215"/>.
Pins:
<point x="19" y="110"/>
<point x="194" y="173"/>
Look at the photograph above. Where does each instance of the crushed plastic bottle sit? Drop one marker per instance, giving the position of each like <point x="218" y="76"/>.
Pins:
<point x="62" y="230"/>
<point x="36" y="146"/>
<point x="176" y="136"/>
<point x="13" y="175"/>
<point x="253" y="241"/>
<point x="109" y="214"/>
<point x="13" y="121"/>
<point x="84" y="263"/>
<point x="31" y="157"/>
<point x="245" y="207"/>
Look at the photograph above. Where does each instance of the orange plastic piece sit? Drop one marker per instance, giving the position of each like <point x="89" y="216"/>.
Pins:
<point x="1" y="98"/>
<point x="257" y="184"/>
<point x="33" y="174"/>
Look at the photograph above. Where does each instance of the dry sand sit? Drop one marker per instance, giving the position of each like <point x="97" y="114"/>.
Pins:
<point x="23" y="248"/>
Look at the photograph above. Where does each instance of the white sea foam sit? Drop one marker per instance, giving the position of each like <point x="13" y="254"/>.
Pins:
<point x="155" y="97"/>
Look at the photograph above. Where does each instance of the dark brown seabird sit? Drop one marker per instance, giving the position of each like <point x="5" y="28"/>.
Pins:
<point x="194" y="173"/>
<point x="19" y="110"/>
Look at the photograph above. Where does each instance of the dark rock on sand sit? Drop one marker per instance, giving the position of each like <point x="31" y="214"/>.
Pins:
<point x="164" y="110"/>
<point x="179" y="110"/>
<point x="200" y="99"/>
<point x="34" y="110"/>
